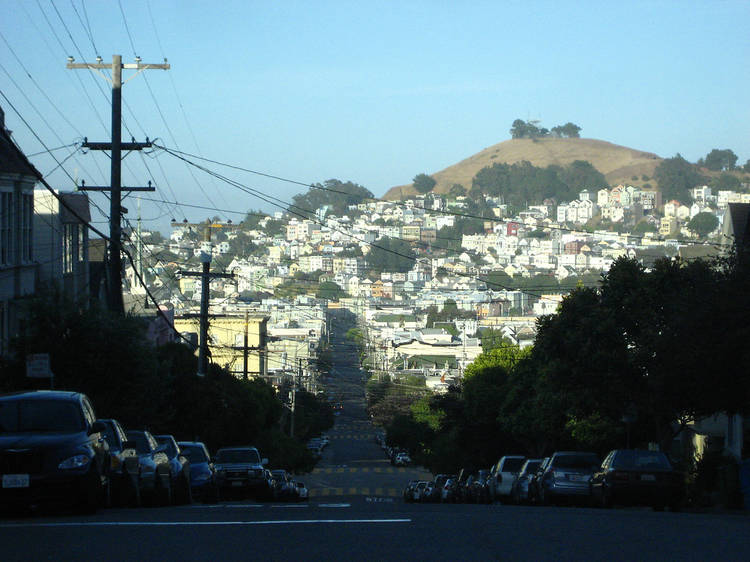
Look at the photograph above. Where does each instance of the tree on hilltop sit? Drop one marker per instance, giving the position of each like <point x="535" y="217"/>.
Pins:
<point x="423" y="183"/>
<point x="718" y="160"/>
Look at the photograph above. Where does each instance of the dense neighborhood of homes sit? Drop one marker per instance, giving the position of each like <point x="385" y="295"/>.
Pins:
<point x="259" y="328"/>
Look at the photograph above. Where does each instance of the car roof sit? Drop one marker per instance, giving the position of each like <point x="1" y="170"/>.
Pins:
<point x="41" y="395"/>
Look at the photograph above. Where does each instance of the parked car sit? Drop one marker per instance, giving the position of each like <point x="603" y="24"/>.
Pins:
<point x="535" y="479"/>
<point x="480" y="488"/>
<point x="240" y="470"/>
<point x="284" y="488"/>
<point x="567" y="476"/>
<point x="502" y="475"/>
<point x="124" y="465"/>
<point x="155" y="478"/>
<point x="431" y="493"/>
<point x="519" y="492"/>
<point x="303" y="494"/>
<point x="448" y="493"/>
<point x="402" y="459"/>
<point x="52" y="449"/>
<point x="408" y="493"/>
<point x="419" y="490"/>
<point x="637" y="477"/>
<point x="179" y="470"/>
<point x="203" y="484"/>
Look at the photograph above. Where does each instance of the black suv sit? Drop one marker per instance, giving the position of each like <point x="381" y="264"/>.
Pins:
<point x="240" y="469"/>
<point x="52" y="450"/>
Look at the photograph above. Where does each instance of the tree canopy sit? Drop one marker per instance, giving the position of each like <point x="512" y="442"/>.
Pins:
<point x="719" y="160"/>
<point x="523" y="183"/>
<point x="334" y="194"/>
<point x="391" y="254"/>
<point x="530" y="130"/>
<point x="676" y="177"/>
<point x="703" y="224"/>
<point x="424" y="183"/>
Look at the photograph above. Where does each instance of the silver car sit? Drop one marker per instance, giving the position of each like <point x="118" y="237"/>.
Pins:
<point x="567" y="477"/>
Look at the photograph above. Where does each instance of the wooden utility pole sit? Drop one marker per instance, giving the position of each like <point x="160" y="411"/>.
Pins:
<point x="244" y="351"/>
<point x="206" y="277"/>
<point x="114" y="296"/>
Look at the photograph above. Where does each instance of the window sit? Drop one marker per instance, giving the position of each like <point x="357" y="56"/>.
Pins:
<point x="67" y="251"/>
<point x="27" y="220"/>
<point x="6" y="227"/>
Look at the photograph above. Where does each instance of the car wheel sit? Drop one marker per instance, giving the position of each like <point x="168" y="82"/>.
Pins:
<point x="92" y="494"/>
<point x="183" y="494"/>
<point x="162" y="492"/>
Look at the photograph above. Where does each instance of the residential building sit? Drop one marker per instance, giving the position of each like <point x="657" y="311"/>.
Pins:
<point x="17" y="266"/>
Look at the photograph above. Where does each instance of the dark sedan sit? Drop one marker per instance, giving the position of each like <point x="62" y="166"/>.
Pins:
<point x="179" y="469"/>
<point x="637" y="477"/>
<point x="155" y="480"/>
<point x="202" y="473"/>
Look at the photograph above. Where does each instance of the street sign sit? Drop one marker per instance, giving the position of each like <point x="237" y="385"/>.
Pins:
<point x="37" y="366"/>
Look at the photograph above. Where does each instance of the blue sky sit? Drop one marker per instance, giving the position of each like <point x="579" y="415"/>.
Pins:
<point x="370" y="92"/>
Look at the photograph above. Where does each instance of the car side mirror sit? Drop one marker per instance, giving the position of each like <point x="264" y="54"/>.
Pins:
<point x="264" y="461"/>
<point x="97" y="427"/>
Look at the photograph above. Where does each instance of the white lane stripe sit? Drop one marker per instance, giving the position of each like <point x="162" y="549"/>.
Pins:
<point x="334" y="505"/>
<point x="223" y="506"/>
<point x="293" y="505"/>
<point x="195" y="523"/>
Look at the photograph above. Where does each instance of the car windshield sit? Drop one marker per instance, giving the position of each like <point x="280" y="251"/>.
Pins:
<point x="531" y="467"/>
<point x="194" y="453"/>
<point x="25" y="416"/>
<point x="246" y="456"/>
<point x="171" y="449"/>
<point x="513" y="465"/>
<point x="575" y="461"/>
<point x="641" y="460"/>
<point x="142" y="446"/>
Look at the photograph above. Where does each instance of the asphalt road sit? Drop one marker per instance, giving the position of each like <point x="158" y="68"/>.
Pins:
<point x="356" y="512"/>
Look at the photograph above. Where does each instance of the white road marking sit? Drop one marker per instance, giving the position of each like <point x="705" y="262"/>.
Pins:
<point x="196" y="523"/>
<point x="334" y="505"/>
<point x="224" y="505"/>
<point x="290" y="505"/>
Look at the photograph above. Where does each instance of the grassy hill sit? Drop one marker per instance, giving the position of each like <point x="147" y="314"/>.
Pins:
<point x="618" y="163"/>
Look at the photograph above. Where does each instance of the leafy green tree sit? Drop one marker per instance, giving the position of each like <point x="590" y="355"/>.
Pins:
<point x="643" y="227"/>
<point x="746" y="167"/>
<point x="726" y="182"/>
<point x="718" y="160"/>
<point x="581" y="174"/>
<point x="519" y="129"/>
<point x="330" y="291"/>
<point x="457" y="190"/>
<point x="571" y="130"/>
<point x="423" y="183"/>
<point x="703" y="224"/>
<point x="334" y="194"/>
<point x="252" y="219"/>
<point x="391" y="254"/>
<point x="676" y="177"/>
